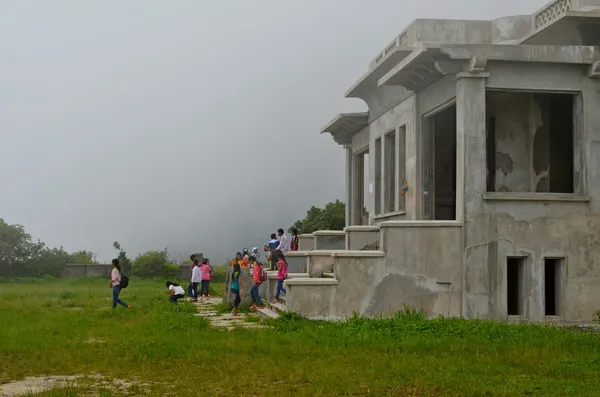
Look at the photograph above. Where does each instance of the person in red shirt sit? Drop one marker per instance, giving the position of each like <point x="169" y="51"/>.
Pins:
<point x="294" y="243"/>
<point x="257" y="270"/>
<point x="282" y="272"/>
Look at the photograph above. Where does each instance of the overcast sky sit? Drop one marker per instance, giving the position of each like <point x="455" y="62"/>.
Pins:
<point x="188" y="124"/>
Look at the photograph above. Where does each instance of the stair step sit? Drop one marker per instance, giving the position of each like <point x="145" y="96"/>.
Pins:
<point x="278" y="307"/>
<point x="329" y="275"/>
<point x="266" y="312"/>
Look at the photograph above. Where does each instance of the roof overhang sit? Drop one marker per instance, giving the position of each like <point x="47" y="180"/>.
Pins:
<point x="345" y="125"/>
<point x="369" y="80"/>
<point x="583" y="21"/>
<point x="430" y="62"/>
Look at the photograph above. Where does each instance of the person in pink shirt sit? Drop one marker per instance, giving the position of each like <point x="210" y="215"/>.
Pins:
<point x="257" y="280"/>
<point x="205" y="283"/>
<point x="282" y="271"/>
<point x="115" y="284"/>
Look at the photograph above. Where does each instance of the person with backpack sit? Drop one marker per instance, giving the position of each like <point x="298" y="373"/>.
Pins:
<point x="115" y="284"/>
<point x="257" y="279"/>
<point x="176" y="291"/>
<point x="205" y="270"/>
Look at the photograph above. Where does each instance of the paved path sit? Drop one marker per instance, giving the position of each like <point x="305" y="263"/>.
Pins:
<point x="207" y="308"/>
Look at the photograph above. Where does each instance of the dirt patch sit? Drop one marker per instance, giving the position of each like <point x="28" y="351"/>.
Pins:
<point x="94" y="341"/>
<point x="90" y="384"/>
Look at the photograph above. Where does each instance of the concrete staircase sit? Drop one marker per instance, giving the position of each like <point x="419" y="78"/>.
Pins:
<point x="376" y="271"/>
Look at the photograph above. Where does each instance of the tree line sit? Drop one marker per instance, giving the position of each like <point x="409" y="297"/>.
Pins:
<point x="21" y="256"/>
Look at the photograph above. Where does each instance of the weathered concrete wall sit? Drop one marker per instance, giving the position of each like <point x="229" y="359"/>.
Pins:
<point x="313" y="298"/>
<point x="306" y="242"/>
<point x="74" y="270"/>
<point x="297" y="261"/>
<point x="422" y="267"/>
<point x="359" y="237"/>
<point x="330" y="240"/>
<point x="271" y="284"/>
<point x="532" y="225"/>
<point x="319" y="262"/>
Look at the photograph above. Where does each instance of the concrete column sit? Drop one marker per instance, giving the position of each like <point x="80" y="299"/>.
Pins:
<point x="349" y="177"/>
<point x="479" y="250"/>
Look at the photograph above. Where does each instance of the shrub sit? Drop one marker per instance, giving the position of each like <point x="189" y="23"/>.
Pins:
<point x="154" y="264"/>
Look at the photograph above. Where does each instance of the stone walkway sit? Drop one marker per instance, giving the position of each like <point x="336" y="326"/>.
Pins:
<point x="207" y="308"/>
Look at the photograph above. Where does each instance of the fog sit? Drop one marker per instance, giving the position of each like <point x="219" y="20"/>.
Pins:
<point x="188" y="124"/>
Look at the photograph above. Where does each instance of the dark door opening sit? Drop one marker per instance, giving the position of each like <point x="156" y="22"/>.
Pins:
<point x="515" y="286"/>
<point x="444" y="164"/>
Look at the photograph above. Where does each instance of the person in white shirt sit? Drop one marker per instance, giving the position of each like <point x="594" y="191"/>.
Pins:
<point x="176" y="291"/>
<point x="256" y="254"/>
<point x="284" y="241"/>
<point x="196" y="279"/>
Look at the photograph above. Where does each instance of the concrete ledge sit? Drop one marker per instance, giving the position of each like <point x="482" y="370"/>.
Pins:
<point x="295" y="253"/>
<point x="389" y="215"/>
<point x="311" y="281"/>
<point x="320" y="252"/>
<point x="420" y="224"/>
<point x="361" y="228"/>
<point x="329" y="233"/>
<point x="273" y="275"/>
<point x="509" y="196"/>
<point x="358" y="254"/>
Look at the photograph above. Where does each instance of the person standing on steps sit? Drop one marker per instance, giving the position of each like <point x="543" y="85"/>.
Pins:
<point x="270" y="248"/>
<point x="257" y="270"/>
<point x="189" y="289"/>
<point x="115" y="284"/>
<point x="196" y="279"/>
<point x="282" y="271"/>
<point x="284" y="241"/>
<point x="235" y="287"/>
<point x="205" y="283"/>
<point x="295" y="240"/>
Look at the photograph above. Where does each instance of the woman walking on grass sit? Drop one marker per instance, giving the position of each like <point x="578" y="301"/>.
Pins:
<point x="235" y="287"/>
<point x="282" y="271"/>
<point x="115" y="284"/>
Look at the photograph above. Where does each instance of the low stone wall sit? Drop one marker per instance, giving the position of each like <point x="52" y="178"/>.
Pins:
<point x="306" y="242"/>
<point x="330" y="240"/>
<point x="74" y="270"/>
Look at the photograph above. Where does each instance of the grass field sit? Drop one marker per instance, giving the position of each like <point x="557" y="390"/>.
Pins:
<point x="63" y="327"/>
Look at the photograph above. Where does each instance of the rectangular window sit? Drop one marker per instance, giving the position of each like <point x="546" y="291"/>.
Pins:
<point x="515" y="285"/>
<point x="378" y="167"/>
<point x="401" y="160"/>
<point x="531" y="142"/>
<point x="390" y="172"/>
<point x="553" y="286"/>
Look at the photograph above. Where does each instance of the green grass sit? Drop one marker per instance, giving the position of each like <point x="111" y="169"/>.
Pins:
<point x="63" y="327"/>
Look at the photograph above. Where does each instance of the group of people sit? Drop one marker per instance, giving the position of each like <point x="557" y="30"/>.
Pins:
<point x="201" y="273"/>
<point x="276" y="249"/>
<point x="258" y="277"/>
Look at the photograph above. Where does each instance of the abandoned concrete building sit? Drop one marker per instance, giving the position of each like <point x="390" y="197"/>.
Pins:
<point x="473" y="180"/>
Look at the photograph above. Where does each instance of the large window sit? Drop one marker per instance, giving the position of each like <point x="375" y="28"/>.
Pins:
<point x="531" y="142"/>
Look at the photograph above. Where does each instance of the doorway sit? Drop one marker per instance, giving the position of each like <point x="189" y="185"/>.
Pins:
<point x="360" y="212"/>
<point x="439" y="161"/>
